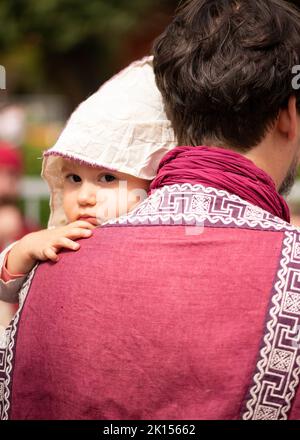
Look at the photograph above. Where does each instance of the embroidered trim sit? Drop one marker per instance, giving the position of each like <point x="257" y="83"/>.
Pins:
<point x="278" y="367"/>
<point x="6" y="353"/>
<point x="76" y="158"/>
<point x="277" y="371"/>
<point x="195" y="204"/>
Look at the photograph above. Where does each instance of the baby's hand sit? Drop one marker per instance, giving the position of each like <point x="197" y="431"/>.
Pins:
<point x="44" y="245"/>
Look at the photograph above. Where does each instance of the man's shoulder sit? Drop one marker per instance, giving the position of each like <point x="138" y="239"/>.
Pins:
<point x="196" y="205"/>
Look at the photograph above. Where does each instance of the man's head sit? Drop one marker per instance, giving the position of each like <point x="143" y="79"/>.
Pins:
<point x="224" y="68"/>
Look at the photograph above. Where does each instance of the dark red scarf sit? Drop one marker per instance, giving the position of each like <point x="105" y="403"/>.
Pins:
<point x="221" y="169"/>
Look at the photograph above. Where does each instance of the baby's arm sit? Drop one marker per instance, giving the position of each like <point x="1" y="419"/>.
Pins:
<point x="7" y="311"/>
<point x="44" y="245"/>
<point x="9" y="288"/>
<point x="37" y="246"/>
<point x="9" y="284"/>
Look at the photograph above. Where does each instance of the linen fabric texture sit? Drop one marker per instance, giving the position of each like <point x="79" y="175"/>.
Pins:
<point x="188" y="309"/>
<point x="122" y="127"/>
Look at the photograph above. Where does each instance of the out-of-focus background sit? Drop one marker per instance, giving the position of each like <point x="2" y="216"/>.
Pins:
<point x="55" y="54"/>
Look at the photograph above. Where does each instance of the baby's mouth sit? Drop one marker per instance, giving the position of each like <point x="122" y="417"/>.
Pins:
<point x="90" y="219"/>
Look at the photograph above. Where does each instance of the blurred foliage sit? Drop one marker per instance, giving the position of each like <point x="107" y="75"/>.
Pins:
<point x="71" y="46"/>
<point x="44" y="212"/>
<point x="32" y="160"/>
<point x="60" y="25"/>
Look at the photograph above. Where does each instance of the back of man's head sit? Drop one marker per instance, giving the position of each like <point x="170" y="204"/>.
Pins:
<point x="225" y="69"/>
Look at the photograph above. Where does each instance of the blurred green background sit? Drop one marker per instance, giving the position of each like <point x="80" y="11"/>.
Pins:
<point x="58" y="52"/>
<point x="71" y="46"/>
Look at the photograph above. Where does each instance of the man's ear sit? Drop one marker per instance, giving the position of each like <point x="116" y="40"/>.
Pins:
<point x="287" y="122"/>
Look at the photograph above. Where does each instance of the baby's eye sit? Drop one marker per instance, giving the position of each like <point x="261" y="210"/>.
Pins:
<point x="106" y="178"/>
<point x="74" y="178"/>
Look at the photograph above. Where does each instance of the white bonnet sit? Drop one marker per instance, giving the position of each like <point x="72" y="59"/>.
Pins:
<point x="122" y="127"/>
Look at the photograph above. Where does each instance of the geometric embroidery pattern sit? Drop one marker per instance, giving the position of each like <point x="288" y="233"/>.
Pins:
<point x="200" y="204"/>
<point x="276" y="376"/>
<point x="277" y="371"/>
<point x="292" y="303"/>
<point x="281" y="360"/>
<point x="297" y="251"/>
<point x="7" y="353"/>
<point x="266" y="413"/>
<point x="1" y="391"/>
<point x="191" y="204"/>
<point x="254" y="213"/>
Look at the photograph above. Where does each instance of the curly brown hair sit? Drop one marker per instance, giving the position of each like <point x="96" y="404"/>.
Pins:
<point x="224" y="68"/>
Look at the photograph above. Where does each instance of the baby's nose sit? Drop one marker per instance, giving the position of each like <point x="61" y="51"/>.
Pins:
<point x="87" y="196"/>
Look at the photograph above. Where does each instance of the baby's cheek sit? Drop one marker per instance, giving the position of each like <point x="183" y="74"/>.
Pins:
<point x="106" y="209"/>
<point x="69" y="209"/>
<point x="135" y="197"/>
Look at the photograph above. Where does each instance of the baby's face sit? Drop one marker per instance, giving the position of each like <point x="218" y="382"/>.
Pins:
<point x="98" y="194"/>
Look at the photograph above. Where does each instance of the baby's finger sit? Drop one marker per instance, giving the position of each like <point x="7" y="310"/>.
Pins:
<point x="66" y="243"/>
<point x="75" y="233"/>
<point x="50" y="254"/>
<point x="82" y="224"/>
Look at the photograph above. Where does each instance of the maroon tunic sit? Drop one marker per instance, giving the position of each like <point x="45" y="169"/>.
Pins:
<point x="158" y="317"/>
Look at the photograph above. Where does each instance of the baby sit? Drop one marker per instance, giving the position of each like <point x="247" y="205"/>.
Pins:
<point x="90" y="197"/>
<point x="100" y="168"/>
